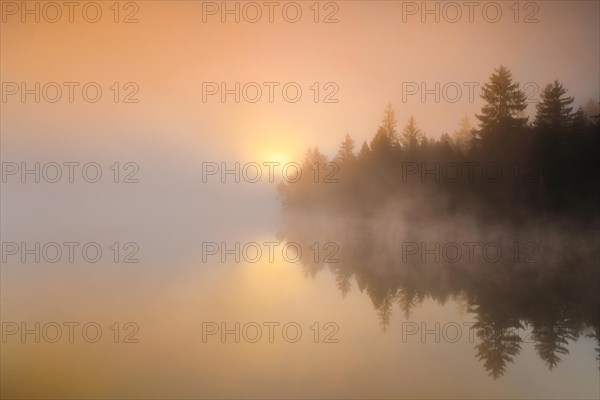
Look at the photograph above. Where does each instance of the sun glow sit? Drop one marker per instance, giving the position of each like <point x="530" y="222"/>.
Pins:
<point x="278" y="156"/>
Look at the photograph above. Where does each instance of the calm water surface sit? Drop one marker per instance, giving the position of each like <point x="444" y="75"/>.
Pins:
<point x="366" y="323"/>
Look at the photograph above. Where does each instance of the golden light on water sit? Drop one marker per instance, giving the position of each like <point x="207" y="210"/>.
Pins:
<point x="155" y="193"/>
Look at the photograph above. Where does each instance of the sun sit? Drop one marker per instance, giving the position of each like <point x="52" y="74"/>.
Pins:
<point x="278" y="156"/>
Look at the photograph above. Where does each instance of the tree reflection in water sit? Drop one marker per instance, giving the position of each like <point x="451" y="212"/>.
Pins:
<point x="550" y="285"/>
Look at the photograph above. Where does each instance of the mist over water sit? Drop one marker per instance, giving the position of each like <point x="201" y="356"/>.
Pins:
<point x="366" y="287"/>
<point x="414" y="216"/>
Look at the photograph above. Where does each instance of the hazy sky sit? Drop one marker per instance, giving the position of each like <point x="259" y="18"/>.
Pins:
<point x="370" y="55"/>
<point x="375" y="51"/>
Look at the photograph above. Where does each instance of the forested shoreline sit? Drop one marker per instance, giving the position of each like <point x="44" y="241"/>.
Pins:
<point x="407" y="188"/>
<point x="506" y="167"/>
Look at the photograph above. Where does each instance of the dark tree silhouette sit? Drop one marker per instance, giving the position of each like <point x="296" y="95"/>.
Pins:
<point x="548" y="188"/>
<point x="554" y="111"/>
<point x="411" y="137"/>
<point x="501" y="116"/>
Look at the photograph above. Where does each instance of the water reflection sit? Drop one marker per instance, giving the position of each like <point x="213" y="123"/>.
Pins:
<point x="532" y="282"/>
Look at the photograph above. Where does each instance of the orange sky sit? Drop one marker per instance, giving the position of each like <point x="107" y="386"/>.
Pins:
<point x="168" y="54"/>
<point x="368" y="54"/>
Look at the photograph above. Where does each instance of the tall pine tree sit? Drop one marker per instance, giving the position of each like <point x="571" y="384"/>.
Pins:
<point x="385" y="141"/>
<point x="554" y="113"/>
<point x="502" y="116"/>
<point x="411" y="137"/>
<point x="346" y="150"/>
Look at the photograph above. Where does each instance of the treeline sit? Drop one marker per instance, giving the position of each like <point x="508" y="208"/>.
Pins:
<point x="507" y="166"/>
<point x="508" y="178"/>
